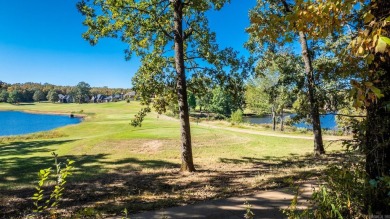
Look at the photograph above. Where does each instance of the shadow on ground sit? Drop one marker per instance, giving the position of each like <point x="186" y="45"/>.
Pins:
<point x="105" y="187"/>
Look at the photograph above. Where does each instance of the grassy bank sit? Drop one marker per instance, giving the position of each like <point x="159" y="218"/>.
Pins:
<point x="119" y="166"/>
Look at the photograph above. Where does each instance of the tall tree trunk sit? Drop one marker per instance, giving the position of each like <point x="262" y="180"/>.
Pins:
<point x="315" y="115"/>
<point x="273" y="119"/>
<point x="281" y="120"/>
<point x="186" y="148"/>
<point x="376" y="145"/>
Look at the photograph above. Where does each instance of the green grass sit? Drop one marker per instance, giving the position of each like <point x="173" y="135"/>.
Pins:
<point x="109" y="151"/>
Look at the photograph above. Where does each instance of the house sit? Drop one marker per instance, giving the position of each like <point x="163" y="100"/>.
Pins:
<point x="117" y="97"/>
<point x="98" y="98"/>
<point x="65" y="98"/>
<point x="129" y="95"/>
<point x="108" y="99"/>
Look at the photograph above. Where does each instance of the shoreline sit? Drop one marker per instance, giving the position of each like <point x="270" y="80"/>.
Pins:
<point x="75" y="115"/>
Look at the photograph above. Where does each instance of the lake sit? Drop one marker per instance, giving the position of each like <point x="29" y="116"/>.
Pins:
<point x="19" y="123"/>
<point x="327" y="121"/>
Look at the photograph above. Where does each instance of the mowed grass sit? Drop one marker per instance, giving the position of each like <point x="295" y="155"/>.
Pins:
<point x="139" y="166"/>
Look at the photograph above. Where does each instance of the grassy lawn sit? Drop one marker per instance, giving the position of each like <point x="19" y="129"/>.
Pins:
<point x="119" y="166"/>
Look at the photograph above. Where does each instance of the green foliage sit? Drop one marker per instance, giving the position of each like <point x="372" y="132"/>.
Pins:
<point x="192" y="101"/>
<point x="148" y="28"/>
<point x="3" y="96"/>
<point x="52" y="96"/>
<point x="81" y="92"/>
<point x="14" y="97"/>
<point x="256" y="98"/>
<point x="41" y="201"/>
<point x="343" y="193"/>
<point x="38" y="96"/>
<point x="236" y="117"/>
<point x="278" y="78"/>
<point x="222" y="102"/>
<point x="28" y="89"/>
<point x="152" y="29"/>
<point x="139" y="117"/>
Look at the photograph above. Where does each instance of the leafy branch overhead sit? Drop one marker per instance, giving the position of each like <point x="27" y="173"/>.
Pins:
<point x="148" y="28"/>
<point x="173" y="40"/>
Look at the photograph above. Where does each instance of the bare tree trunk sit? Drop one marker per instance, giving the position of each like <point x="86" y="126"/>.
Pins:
<point x="315" y="115"/>
<point x="186" y="148"/>
<point x="273" y="119"/>
<point x="281" y="120"/>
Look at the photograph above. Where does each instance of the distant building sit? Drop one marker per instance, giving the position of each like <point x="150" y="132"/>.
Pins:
<point x="108" y="99"/>
<point x="65" y="98"/>
<point x="129" y="95"/>
<point x="98" y="98"/>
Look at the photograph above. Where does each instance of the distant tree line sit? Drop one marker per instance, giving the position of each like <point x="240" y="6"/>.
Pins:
<point x="37" y="92"/>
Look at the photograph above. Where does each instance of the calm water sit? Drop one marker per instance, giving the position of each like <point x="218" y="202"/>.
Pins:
<point x="18" y="123"/>
<point x="327" y="121"/>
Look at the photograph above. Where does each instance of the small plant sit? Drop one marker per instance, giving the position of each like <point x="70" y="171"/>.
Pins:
<point x="41" y="201"/>
<point x="249" y="213"/>
<point x="125" y="214"/>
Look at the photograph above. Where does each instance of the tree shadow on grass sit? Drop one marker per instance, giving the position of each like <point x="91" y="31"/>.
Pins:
<point x="91" y="180"/>
<point x="108" y="186"/>
<point x="17" y="148"/>
<point x="15" y="167"/>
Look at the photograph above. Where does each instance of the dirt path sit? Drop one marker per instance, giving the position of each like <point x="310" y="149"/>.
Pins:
<point x="264" y="205"/>
<point x="264" y="133"/>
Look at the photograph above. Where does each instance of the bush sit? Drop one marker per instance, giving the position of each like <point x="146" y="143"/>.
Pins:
<point x="344" y="192"/>
<point x="236" y="117"/>
<point x="302" y="130"/>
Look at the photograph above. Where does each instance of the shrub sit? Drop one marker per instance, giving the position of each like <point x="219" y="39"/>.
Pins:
<point x="344" y="193"/>
<point x="236" y="117"/>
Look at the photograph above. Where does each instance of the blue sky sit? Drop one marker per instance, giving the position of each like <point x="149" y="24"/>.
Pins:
<point x="40" y="41"/>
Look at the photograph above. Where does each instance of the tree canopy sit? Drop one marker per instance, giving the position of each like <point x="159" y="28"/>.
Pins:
<point x="173" y="40"/>
<point x="81" y="92"/>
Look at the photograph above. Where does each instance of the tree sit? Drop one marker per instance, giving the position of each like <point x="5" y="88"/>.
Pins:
<point x="282" y="72"/>
<point x="277" y="22"/>
<point x="14" y="97"/>
<point x="220" y="102"/>
<point x="81" y="92"/>
<point x="369" y="23"/>
<point x="371" y="89"/>
<point x="373" y="94"/>
<point x="3" y="96"/>
<point x="192" y="101"/>
<point x="256" y="97"/>
<point x="52" y="96"/>
<point x="152" y="28"/>
<point x="38" y="96"/>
